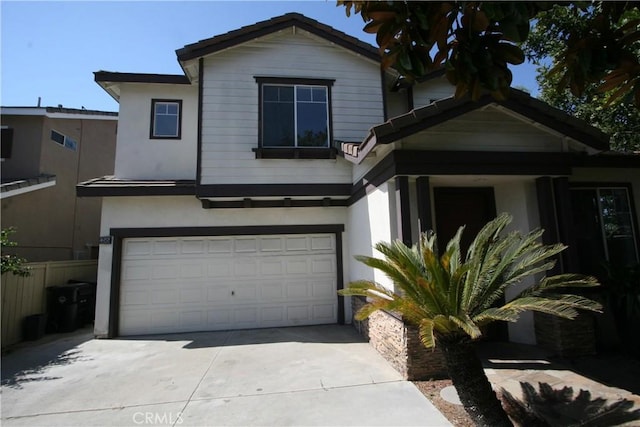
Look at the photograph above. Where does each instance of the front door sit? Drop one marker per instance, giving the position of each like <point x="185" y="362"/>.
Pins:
<point x="456" y="206"/>
<point x="473" y="207"/>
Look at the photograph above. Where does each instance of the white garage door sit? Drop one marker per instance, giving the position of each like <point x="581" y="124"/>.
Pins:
<point x="188" y="284"/>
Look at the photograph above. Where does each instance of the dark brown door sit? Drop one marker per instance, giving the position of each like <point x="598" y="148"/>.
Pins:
<point x="456" y="206"/>
<point x="473" y="207"/>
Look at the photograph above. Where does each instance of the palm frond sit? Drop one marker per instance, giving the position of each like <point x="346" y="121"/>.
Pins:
<point x="560" y="281"/>
<point x="476" y="257"/>
<point x="467" y="324"/>
<point x="562" y="305"/>
<point x="425" y="331"/>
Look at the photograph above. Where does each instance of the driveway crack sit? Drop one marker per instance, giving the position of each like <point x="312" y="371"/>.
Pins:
<point x="215" y="357"/>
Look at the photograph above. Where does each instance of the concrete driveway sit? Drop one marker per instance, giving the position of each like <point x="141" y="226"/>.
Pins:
<point x="321" y="375"/>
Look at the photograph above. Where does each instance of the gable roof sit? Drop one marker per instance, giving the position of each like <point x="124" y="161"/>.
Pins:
<point x="449" y="108"/>
<point x="263" y="28"/>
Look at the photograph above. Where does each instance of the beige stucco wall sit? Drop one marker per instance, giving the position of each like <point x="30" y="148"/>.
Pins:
<point x="25" y="156"/>
<point x="52" y="224"/>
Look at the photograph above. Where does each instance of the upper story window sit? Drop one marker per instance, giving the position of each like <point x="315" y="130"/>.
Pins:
<point x="166" y="119"/>
<point x="64" y="140"/>
<point x="295" y="113"/>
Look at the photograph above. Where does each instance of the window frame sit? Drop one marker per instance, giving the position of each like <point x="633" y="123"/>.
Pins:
<point x="294" y="151"/>
<point x="67" y="142"/>
<point x="152" y="122"/>
<point x="598" y="186"/>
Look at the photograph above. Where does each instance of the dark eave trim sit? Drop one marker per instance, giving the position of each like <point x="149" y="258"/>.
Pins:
<point x="425" y="163"/>
<point x="260" y="29"/>
<point x="97" y="188"/>
<point x="295" y="152"/>
<point x="283" y="203"/>
<point x="273" y="190"/>
<point x="608" y="161"/>
<point x="109" y="76"/>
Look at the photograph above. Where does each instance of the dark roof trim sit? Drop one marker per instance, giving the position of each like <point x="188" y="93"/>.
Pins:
<point x="111" y="187"/>
<point x="109" y="76"/>
<point x="449" y="108"/>
<point x="242" y="230"/>
<point x="273" y="190"/>
<point x="250" y="32"/>
<point x="609" y="160"/>
<point x="283" y="203"/>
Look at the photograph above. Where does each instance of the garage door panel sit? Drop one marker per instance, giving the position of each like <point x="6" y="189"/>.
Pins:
<point x="297" y="244"/>
<point x="323" y="243"/>
<point x="216" y="283"/>
<point x="192" y="296"/>
<point x="221" y="245"/>
<point x="165" y="247"/>
<point x="246" y="245"/>
<point x="271" y="244"/>
<point x="140" y="297"/>
<point x="220" y="294"/>
<point x="194" y="246"/>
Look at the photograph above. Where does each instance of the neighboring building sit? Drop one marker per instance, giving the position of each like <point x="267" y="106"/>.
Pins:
<point x="46" y="152"/>
<point x="244" y="187"/>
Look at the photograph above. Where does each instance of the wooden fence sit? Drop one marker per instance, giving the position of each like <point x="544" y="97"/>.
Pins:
<point x="24" y="296"/>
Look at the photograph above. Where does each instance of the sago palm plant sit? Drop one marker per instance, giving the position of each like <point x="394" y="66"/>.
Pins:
<point x="450" y="298"/>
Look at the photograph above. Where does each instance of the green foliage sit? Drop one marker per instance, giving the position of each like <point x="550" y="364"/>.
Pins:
<point x="448" y="296"/>
<point x="475" y="41"/>
<point x="558" y="408"/>
<point x="11" y="263"/>
<point x="621" y="120"/>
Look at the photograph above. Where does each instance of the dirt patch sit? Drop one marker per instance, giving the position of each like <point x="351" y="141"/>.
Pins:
<point x="454" y="413"/>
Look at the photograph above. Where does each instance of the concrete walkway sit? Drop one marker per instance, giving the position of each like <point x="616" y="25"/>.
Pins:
<point x="324" y="375"/>
<point x="610" y="377"/>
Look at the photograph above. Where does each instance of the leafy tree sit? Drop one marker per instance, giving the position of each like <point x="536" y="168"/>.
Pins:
<point x="450" y="299"/>
<point x="621" y="120"/>
<point x="476" y="40"/>
<point x="10" y="262"/>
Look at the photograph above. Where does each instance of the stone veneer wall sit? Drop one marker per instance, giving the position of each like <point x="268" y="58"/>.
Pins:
<point x="400" y="344"/>
<point x="567" y="338"/>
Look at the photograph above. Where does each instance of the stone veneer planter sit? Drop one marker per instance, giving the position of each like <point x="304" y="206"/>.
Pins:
<point x="400" y="344"/>
<point x="567" y="338"/>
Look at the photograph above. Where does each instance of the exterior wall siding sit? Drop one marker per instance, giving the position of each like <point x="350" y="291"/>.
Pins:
<point x="230" y="107"/>
<point x="138" y="156"/>
<point x="438" y="88"/>
<point x="186" y="211"/>
<point x="486" y="130"/>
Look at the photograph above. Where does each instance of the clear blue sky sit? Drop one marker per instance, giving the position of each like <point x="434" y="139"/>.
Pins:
<point x="51" y="49"/>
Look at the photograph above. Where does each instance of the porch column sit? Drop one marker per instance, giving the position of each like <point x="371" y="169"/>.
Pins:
<point x="554" y="205"/>
<point x="547" y="211"/>
<point x="425" y="221"/>
<point x="403" y="210"/>
<point x="566" y="231"/>
<point x="565" y="337"/>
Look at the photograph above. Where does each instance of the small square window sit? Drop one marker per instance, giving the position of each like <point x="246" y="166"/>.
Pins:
<point x="166" y="119"/>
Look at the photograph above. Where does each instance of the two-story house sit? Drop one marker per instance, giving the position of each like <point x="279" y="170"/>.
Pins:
<point x="244" y="186"/>
<point x="46" y="152"/>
